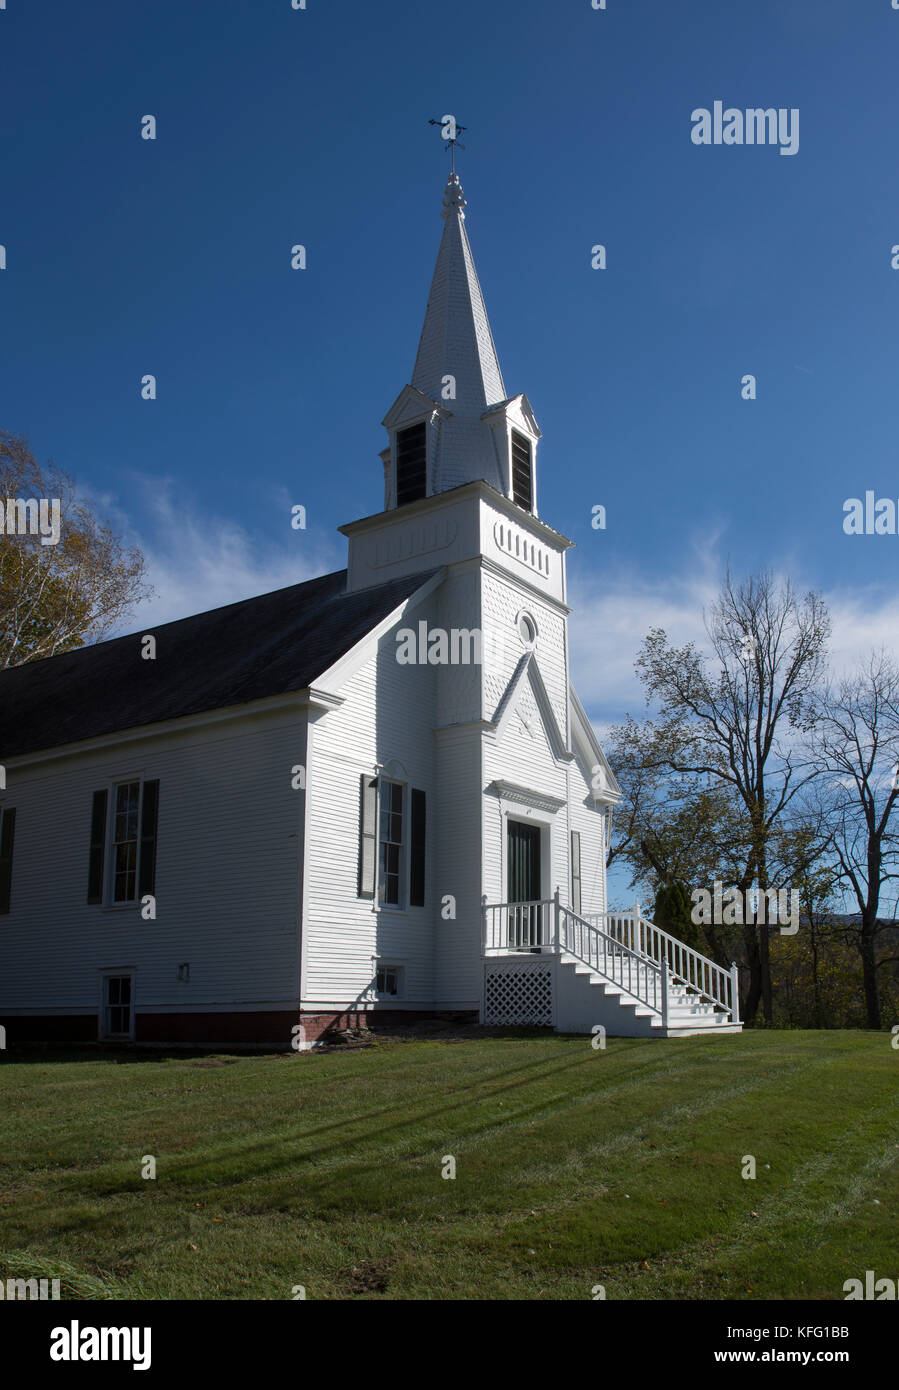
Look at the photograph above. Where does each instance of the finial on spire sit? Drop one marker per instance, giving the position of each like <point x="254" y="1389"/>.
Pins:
<point x="452" y="198"/>
<point x="449" y="131"/>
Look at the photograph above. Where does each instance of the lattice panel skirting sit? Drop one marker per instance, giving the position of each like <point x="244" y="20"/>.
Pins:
<point x="519" y="996"/>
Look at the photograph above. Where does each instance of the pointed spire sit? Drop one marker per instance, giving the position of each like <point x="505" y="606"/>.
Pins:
<point x="456" y="340"/>
<point x="466" y="425"/>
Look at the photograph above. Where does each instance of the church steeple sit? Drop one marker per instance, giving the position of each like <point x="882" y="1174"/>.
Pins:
<point x="453" y="424"/>
<point x="456" y="339"/>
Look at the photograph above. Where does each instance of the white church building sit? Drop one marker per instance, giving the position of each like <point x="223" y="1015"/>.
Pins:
<point x="369" y="796"/>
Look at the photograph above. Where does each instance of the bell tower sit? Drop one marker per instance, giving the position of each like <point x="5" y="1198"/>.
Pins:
<point x="456" y="442"/>
<point x="461" y="504"/>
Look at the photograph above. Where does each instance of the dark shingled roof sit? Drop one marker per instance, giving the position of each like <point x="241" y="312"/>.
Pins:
<point x="246" y="651"/>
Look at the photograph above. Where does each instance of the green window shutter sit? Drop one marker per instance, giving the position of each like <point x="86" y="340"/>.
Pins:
<point x="98" y="848"/>
<point x="368" y="825"/>
<point x="576" y="872"/>
<point x="148" y="819"/>
<point x="7" y="837"/>
<point x="417" y="850"/>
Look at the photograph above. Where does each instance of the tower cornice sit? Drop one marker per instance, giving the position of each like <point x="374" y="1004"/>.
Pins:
<point x="516" y="514"/>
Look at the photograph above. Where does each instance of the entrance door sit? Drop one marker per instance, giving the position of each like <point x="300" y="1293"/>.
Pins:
<point x="523" y="884"/>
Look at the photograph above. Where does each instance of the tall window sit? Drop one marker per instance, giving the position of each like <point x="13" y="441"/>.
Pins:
<point x="391" y="837"/>
<point x="411" y="464"/>
<point x="125" y="841"/>
<point x="522" y="472"/>
<point x="129" y="838"/>
<point x="392" y="842"/>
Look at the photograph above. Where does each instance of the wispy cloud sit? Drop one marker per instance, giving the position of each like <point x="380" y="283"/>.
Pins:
<point x="864" y="620"/>
<point x="610" y="620"/>
<point x="196" y="560"/>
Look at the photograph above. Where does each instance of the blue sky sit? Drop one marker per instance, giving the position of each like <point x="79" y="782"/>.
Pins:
<point x="278" y="126"/>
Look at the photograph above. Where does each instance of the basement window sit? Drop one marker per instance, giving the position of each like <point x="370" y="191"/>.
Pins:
<point x="411" y="464"/>
<point x="117" y="1019"/>
<point x="389" y="981"/>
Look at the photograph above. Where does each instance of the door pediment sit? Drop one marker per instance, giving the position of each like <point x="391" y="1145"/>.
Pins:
<point x="525" y="796"/>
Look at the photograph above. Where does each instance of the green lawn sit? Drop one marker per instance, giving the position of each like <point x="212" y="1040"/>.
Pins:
<point x="575" y="1167"/>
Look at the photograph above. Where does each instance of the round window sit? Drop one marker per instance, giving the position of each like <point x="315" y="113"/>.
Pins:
<point x="527" y="629"/>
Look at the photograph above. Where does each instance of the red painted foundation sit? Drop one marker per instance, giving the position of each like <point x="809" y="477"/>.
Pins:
<point x="274" y="1030"/>
<point x="263" y="1029"/>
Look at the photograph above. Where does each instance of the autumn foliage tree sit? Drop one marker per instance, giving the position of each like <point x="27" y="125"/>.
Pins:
<point x="54" y="597"/>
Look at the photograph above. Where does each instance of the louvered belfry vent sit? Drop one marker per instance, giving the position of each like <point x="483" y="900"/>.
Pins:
<point x="411" y="464"/>
<point x="522" y="472"/>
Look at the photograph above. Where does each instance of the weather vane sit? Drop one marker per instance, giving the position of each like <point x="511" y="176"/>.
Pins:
<point x="450" y="132"/>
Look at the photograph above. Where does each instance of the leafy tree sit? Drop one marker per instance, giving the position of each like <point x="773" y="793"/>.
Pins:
<point x="673" y="913"/>
<point x="54" y="597"/>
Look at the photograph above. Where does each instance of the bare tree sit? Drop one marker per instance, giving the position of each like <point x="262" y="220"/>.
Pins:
<point x="857" y="740"/>
<point x="735" y="719"/>
<point x="62" y="594"/>
<point x="674" y="828"/>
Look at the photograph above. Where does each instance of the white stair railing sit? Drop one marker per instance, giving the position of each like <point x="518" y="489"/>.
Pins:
<point x="545" y="925"/>
<point x="527" y="926"/>
<point x="714" y="982"/>
<point x="625" y="948"/>
<point x="612" y="958"/>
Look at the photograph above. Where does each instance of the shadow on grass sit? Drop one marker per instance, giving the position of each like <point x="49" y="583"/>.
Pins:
<point x="25" y="1053"/>
<point x="268" y="1165"/>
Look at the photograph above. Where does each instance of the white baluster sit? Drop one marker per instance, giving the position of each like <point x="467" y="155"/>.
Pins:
<point x="735" y="993"/>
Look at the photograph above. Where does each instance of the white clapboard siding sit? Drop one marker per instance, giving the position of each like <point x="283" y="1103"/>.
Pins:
<point x="230" y="832"/>
<point x="387" y="717"/>
<point x="460" y="777"/>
